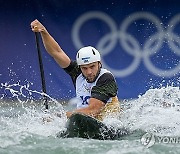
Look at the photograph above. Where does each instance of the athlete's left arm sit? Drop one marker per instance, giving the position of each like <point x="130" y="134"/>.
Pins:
<point x="105" y="88"/>
<point x="93" y="109"/>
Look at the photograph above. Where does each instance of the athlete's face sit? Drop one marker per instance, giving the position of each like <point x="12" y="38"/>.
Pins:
<point x="90" y="70"/>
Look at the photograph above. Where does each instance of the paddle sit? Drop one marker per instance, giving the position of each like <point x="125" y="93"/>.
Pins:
<point x="41" y="70"/>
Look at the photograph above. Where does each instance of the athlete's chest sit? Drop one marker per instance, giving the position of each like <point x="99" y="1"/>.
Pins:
<point x="83" y="87"/>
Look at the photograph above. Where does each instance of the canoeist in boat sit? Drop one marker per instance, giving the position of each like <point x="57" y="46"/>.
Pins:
<point x="95" y="86"/>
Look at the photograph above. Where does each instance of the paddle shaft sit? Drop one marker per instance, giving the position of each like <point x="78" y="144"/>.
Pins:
<point x="41" y="69"/>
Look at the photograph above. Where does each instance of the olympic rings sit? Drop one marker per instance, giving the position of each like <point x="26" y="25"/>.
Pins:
<point x="151" y="46"/>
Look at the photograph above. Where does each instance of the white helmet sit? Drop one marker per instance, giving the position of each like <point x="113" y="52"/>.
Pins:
<point x="87" y="55"/>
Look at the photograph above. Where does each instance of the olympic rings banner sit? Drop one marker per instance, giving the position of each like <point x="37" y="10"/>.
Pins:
<point x="139" y="42"/>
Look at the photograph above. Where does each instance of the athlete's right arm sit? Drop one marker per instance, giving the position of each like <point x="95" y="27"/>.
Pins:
<point x="51" y="45"/>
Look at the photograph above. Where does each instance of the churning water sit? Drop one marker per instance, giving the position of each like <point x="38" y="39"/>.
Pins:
<point x="153" y="120"/>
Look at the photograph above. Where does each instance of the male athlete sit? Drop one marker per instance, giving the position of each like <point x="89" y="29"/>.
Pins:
<point x="95" y="86"/>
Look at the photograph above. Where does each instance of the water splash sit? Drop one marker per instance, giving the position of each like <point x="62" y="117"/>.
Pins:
<point x="157" y="111"/>
<point x="25" y="119"/>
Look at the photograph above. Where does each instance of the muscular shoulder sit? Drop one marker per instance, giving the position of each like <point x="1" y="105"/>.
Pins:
<point x="106" y="78"/>
<point x="105" y="88"/>
<point x="73" y="70"/>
